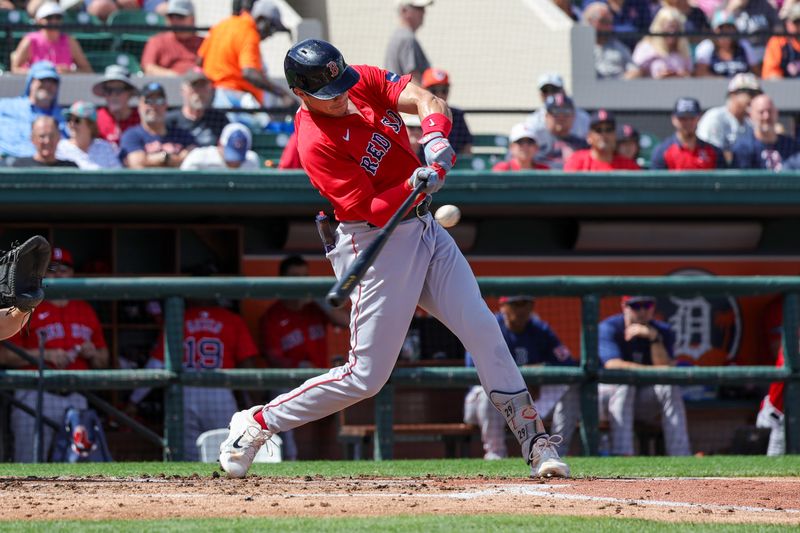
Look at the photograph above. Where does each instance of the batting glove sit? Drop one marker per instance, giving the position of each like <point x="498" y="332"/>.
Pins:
<point x="438" y="151"/>
<point x="434" y="181"/>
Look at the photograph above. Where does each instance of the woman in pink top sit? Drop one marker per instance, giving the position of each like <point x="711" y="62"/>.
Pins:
<point x="49" y="44"/>
<point x="665" y="55"/>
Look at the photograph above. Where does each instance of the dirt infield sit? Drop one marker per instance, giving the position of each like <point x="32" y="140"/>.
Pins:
<point x="729" y="500"/>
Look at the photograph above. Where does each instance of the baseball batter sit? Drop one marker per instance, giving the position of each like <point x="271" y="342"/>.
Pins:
<point x="354" y="146"/>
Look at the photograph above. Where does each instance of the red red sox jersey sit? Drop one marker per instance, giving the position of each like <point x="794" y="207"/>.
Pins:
<point x="64" y="327"/>
<point x="352" y="158"/>
<point x="295" y="336"/>
<point x="582" y="161"/>
<point x="213" y="337"/>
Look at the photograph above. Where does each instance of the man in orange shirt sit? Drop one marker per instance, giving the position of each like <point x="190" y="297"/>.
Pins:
<point x="782" y="56"/>
<point x="232" y="60"/>
<point x="602" y="155"/>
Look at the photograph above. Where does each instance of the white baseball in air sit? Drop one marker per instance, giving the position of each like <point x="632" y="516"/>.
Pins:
<point x="448" y="215"/>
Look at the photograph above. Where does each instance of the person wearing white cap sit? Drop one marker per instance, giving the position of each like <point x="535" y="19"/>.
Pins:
<point x="172" y="53"/>
<point x="723" y="125"/>
<point x="522" y="150"/>
<point x="551" y="83"/>
<point x="232" y="153"/>
<point x="49" y="44"/>
<point x="404" y="54"/>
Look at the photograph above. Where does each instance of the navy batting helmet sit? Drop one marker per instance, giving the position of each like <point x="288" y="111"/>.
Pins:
<point x="318" y="68"/>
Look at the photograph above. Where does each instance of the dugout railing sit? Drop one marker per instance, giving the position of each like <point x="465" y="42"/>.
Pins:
<point x="588" y="373"/>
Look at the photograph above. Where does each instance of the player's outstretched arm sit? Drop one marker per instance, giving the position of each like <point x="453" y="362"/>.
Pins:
<point x="436" y="121"/>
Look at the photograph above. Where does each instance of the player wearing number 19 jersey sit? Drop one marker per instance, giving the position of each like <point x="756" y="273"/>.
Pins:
<point x="213" y="338"/>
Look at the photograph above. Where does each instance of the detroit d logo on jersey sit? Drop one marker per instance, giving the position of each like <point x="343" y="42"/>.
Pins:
<point x="707" y="329"/>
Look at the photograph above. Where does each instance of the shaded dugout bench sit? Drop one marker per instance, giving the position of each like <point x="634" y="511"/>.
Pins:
<point x="587" y="374"/>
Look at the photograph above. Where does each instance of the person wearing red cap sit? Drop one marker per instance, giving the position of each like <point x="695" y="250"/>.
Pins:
<point x="602" y="153"/>
<point x="437" y="81"/>
<point x="73" y="340"/>
<point x="630" y="340"/>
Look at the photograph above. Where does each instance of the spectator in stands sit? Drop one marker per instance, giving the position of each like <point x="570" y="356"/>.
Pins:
<point x="172" y="53"/>
<point x="44" y="136"/>
<point x="722" y="125"/>
<point x="556" y="141"/>
<point x="73" y="340"/>
<point x="628" y="142"/>
<point x="49" y="44"/>
<point x="39" y="98"/>
<point x="782" y="55"/>
<point x="290" y="157"/>
<point x="629" y="16"/>
<point x="84" y="147"/>
<point x="213" y="338"/>
<point x="763" y="147"/>
<point x="414" y="131"/>
<point x="294" y="333"/>
<point x="696" y="20"/>
<point x="726" y="55"/>
<point x="152" y="143"/>
<point x="683" y="150"/>
<point x="757" y="18"/>
<point x="117" y="115"/>
<point x="667" y="56"/>
<point x="196" y="115"/>
<point x="404" y="55"/>
<point x="532" y="343"/>
<point x="232" y="153"/>
<point x="612" y="59"/>
<point x="522" y="150"/>
<point x="103" y="9"/>
<point x="630" y="340"/>
<point x="549" y="84"/>
<point x="232" y="60"/>
<point x="437" y="81"/>
<point x="601" y="156"/>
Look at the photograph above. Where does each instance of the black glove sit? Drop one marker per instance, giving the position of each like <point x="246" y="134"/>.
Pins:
<point x="21" y="273"/>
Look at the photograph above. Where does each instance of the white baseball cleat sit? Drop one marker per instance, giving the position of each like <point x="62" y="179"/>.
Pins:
<point x="544" y="459"/>
<point x="236" y="453"/>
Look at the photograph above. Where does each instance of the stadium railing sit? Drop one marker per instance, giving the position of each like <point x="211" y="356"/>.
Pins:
<point x="588" y="373"/>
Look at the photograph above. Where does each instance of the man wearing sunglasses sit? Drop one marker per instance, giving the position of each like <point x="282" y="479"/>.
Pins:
<point x="116" y="115"/>
<point x="782" y="55"/>
<point x="152" y="143"/>
<point x="556" y="141"/>
<point x="601" y="156"/>
<point x="631" y="340"/>
<point x="437" y="81"/>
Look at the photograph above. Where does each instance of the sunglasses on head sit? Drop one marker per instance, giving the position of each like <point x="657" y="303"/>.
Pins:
<point x="638" y="306"/>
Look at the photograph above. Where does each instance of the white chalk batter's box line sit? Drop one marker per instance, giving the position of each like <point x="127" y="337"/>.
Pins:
<point x="548" y="492"/>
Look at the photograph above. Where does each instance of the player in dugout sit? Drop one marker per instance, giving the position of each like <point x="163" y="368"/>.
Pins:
<point x="355" y="149"/>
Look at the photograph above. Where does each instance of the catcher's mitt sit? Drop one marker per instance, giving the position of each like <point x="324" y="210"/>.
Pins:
<point x="21" y="273"/>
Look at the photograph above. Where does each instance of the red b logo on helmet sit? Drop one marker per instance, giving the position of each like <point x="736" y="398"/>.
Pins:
<point x="333" y="68"/>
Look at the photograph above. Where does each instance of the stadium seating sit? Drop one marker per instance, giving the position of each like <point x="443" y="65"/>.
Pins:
<point x="269" y="145"/>
<point x="100" y="59"/>
<point x="91" y="38"/>
<point x="133" y="41"/>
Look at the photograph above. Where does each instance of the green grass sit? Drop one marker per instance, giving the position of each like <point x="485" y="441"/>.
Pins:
<point x="723" y="466"/>
<point x="404" y="524"/>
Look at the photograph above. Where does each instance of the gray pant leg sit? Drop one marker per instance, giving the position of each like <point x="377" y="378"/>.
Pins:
<point x="621" y="405"/>
<point x="565" y="418"/>
<point x="673" y="419"/>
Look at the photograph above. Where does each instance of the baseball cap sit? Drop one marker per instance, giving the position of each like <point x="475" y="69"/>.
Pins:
<point x="600" y="116"/>
<point x="435" y="76"/>
<point x="82" y="109"/>
<point x="722" y="17"/>
<point x="62" y="256"/>
<point x="48" y="9"/>
<point x="560" y="101"/>
<point x="268" y="10"/>
<point x="550" y="78"/>
<point x="686" y="107"/>
<point x="520" y="131"/>
<point x="636" y="299"/>
<point x="744" y="81"/>
<point x="515" y="298"/>
<point x="794" y="12"/>
<point x="626" y="132"/>
<point x="180" y="7"/>
<point x="153" y="88"/>
<point x="44" y="70"/>
<point x="235" y="140"/>
<point x="415" y="3"/>
<point x="114" y="73"/>
<point x="193" y="75"/>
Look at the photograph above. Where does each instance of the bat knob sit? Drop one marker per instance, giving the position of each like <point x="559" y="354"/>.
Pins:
<point x="334" y="300"/>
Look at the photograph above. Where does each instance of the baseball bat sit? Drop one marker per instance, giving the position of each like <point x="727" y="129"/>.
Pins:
<point x="345" y="285"/>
